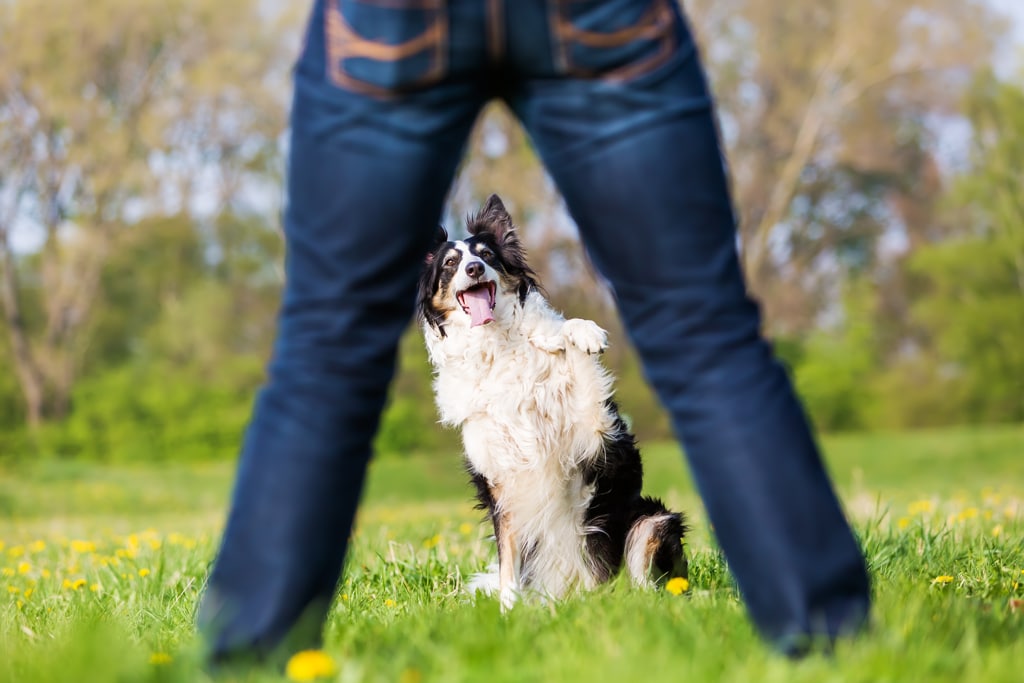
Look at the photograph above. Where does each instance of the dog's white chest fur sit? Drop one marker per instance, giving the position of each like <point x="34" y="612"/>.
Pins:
<point x="530" y="398"/>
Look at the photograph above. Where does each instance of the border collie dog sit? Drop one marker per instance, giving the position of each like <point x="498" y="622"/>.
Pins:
<point x="554" y="465"/>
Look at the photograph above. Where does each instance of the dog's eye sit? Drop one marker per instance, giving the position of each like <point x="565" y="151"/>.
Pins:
<point x="449" y="262"/>
<point x="485" y="253"/>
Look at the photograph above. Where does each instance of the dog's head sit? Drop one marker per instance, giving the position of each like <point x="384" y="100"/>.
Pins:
<point x="476" y="281"/>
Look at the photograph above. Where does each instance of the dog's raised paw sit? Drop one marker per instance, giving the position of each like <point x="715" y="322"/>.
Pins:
<point x="586" y="335"/>
<point x="549" y="343"/>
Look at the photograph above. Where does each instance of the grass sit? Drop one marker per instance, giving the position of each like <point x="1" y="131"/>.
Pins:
<point x="102" y="568"/>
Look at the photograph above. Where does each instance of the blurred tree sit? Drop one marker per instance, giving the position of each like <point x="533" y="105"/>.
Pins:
<point x="973" y="306"/>
<point x="112" y="111"/>
<point x="140" y="168"/>
<point x="840" y="360"/>
<point x="827" y="108"/>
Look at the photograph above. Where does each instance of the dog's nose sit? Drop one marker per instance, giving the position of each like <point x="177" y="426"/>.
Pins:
<point x="474" y="269"/>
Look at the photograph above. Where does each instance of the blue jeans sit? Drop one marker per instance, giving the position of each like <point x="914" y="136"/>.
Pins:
<point x="613" y="96"/>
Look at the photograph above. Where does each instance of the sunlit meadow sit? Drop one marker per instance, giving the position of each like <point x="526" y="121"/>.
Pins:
<point x="102" y="568"/>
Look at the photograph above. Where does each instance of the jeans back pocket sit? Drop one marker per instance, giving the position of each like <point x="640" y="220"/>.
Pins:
<point x="386" y="47"/>
<point x="616" y="40"/>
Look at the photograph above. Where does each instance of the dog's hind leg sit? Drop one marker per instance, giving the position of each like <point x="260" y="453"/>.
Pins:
<point x="509" y="563"/>
<point x="487" y="582"/>
<point x="654" y="546"/>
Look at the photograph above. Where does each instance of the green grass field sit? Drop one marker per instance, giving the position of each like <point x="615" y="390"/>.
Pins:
<point x="101" y="570"/>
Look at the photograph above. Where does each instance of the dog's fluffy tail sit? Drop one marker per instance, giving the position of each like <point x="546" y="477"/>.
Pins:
<point x="484" y="582"/>
<point x="654" y="548"/>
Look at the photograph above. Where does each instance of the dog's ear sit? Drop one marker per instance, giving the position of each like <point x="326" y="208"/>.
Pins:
<point x="494" y="219"/>
<point x="428" y="281"/>
<point x="439" y="238"/>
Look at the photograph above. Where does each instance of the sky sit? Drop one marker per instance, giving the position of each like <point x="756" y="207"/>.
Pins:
<point x="1013" y="56"/>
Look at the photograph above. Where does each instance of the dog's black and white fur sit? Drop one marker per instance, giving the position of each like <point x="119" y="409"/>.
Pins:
<point x="553" y="462"/>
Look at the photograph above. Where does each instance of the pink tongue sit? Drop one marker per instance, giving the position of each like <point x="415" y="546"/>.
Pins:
<point x="478" y="301"/>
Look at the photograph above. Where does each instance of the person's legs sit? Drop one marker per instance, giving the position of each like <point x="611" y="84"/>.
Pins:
<point x="366" y="184"/>
<point x="637" y="157"/>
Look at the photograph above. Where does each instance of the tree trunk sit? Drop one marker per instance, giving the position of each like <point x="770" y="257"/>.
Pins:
<point x="30" y="377"/>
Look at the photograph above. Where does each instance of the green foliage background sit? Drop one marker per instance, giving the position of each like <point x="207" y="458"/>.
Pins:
<point x="169" y="355"/>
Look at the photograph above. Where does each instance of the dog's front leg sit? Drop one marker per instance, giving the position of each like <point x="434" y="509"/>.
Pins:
<point x="509" y="562"/>
<point x="585" y="335"/>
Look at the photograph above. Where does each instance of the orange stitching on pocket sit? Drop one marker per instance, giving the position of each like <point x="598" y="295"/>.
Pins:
<point x="657" y="23"/>
<point x="650" y="25"/>
<point x="344" y="42"/>
<point x="405" y="4"/>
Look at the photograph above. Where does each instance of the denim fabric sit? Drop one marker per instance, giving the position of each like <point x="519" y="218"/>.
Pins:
<point x="613" y="96"/>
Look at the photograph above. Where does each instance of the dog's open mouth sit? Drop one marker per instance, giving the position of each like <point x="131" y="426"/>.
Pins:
<point x="478" y="302"/>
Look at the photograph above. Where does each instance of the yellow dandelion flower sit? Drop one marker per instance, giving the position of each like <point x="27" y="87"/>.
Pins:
<point x="28" y="592"/>
<point x="79" y="546"/>
<point x="174" y="538"/>
<point x="74" y="585"/>
<point x="24" y="568"/>
<point x="310" y="665"/>
<point x="94" y="587"/>
<point x="390" y="603"/>
<point x="920" y="507"/>
<point x="677" y="586"/>
<point x="13" y="589"/>
<point x="160" y="659"/>
<point x="7" y="571"/>
<point x="2" y="546"/>
<point x="344" y="597"/>
<point x="997" y="530"/>
<point x="410" y="676"/>
<point x="143" y="572"/>
<point x="987" y="515"/>
<point x="45" y="573"/>
<point x="154" y="543"/>
<point x="37" y="546"/>
<point x="432" y="541"/>
<point x="969" y="513"/>
<point x="16" y="551"/>
<point x="943" y="579"/>
<point x="465" y="528"/>
<point x="903" y="523"/>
